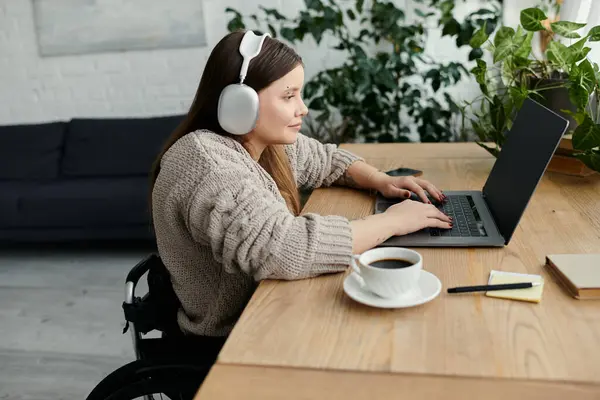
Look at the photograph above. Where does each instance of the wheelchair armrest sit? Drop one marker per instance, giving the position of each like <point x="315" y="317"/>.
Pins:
<point x="142" y="267"/>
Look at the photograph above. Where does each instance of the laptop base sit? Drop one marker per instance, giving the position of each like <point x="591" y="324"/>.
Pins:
<point x="490" y="236"/>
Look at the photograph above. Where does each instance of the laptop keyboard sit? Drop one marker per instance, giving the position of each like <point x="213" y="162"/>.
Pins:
<point x="467" y="222"/>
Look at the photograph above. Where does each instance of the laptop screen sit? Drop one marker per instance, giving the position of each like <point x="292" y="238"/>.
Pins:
<point x="529" y="146"/>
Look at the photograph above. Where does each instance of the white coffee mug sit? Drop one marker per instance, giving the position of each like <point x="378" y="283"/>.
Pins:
<point x="389" y="283"/>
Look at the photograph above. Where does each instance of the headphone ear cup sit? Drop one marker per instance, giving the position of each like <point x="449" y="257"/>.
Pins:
<point x="238" y="109"/>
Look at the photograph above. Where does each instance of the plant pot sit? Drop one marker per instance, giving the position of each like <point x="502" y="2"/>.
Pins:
<point x="564" y="162"/>
<point x="569" y="165"/>
<point x="556" y="99"/>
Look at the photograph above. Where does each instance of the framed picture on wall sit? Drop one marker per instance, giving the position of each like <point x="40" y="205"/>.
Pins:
<point x="66" y="27"/>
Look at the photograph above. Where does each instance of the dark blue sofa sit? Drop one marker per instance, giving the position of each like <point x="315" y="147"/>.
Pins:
<point x="83" y="179"/>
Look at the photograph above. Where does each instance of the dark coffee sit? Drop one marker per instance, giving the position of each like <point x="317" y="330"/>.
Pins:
<point x="392" y="263"/>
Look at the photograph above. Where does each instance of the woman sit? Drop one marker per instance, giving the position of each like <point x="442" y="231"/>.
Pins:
<point x="226" y="208"/>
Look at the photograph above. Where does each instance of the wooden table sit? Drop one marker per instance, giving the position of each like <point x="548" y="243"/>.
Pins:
<point x="293" y="334"/>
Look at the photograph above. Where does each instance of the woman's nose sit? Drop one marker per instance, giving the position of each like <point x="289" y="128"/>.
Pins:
<point x="303" y="110"/>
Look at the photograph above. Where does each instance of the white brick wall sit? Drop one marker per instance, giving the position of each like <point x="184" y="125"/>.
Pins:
<point x="137" y="83"/>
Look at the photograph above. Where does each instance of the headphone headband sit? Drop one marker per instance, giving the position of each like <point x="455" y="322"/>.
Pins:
<point x="249" y="48"/>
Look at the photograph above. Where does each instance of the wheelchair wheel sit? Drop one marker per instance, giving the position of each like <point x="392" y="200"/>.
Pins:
<point x="146" y="379"/>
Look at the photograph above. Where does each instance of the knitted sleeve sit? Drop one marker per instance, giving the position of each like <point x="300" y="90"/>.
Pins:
<point x="320" y="164"/>
<point x="248" y="228"/>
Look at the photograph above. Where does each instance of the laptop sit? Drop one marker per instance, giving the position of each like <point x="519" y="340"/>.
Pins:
<point x="488" y="218"/>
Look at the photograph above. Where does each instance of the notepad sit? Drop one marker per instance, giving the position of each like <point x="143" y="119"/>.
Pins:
<point x="533" y="294"/>
<point x="579" y="273"/>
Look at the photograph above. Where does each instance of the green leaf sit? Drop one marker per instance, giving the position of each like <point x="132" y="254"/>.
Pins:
<point x="586" y="135"/>
<point x="591" y="159"/>
<point x="578" y="96"/>
<point x="272" y="30"/>
<point x="507" y="45"/>
<point x="507" y="75"/>
<point x="566" y="29"/>
<point x="525" y="49"/>
<point x="288" y="34"/>
<point x="351" y="15"/>
<point x="522" y="63"/>
<point x="492" y="150"/>
<point x="578" y="45"/>
<point x="386" y="79"/>
<point x="479" y="72"/>
<point x="359" y="5"/>
<point x="231" y="10"/>
<point x="316" y="5"/>
<point x="497" y="114"/>
<point x="597" y="72"/>
<point x="518" y="95"/>
<point x="594" y="34"/>
<point x="323" y="117"/>
<point x="479" y="37"/>
<point x="451" y="28"/>
<point x="475" y="54"/>
<point x="559" y="54"/>
<point x="434" y="75"/>
<point x="578" y="51"/>
<point x="311" y="88"/>
<point x="479" y="130"/>
<point x="584" y="76"/>
<point x="466" y="33"/>
<point x="454" y="108"/>
<point x="447" y="6"/>
<point x="505" y="33"/>
<point x="501" y="53"/>
<point x="317" y="104"/>
<point x="235" y="24"/>
<point x="579" y="117"/>
<point x="275" y="13"/>
<point x="422" y="14"/>
<point x="531" y="19"/>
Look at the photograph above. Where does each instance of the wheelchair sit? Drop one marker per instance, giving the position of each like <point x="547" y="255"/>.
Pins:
<point x="172" y="365"/>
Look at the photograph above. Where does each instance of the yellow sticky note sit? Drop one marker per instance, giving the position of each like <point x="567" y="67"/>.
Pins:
<point x="533" y="294"/>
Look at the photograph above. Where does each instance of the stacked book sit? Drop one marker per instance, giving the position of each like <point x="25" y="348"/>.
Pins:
<point x="578" y="273"/>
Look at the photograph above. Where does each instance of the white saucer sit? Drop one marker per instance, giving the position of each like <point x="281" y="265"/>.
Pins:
<point x="429" y="287"/>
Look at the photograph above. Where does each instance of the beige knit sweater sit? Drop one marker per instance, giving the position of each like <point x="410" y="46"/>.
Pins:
<point x="222" y="225"/>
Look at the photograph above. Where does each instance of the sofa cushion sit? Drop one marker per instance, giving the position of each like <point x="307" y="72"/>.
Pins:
<point x="75" y="203"/>
<point x="9" y="202"/>
<point x="29" y="152"/>
<point x="112" y="147"/>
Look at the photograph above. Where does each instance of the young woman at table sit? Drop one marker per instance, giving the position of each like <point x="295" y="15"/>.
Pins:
<point x="226" y="207"/>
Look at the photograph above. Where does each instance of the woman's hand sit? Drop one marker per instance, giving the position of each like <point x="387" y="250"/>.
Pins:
<point x="401" y="186"/>
<point x="410" y="216"/>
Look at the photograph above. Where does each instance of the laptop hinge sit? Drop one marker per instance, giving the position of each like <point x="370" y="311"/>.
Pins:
<point x="483" y="196"/>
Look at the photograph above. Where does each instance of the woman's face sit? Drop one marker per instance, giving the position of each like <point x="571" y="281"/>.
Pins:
<point x="281" y="110"/>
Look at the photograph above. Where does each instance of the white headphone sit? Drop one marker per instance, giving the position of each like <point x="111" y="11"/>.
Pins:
<point x="238" y="103"/>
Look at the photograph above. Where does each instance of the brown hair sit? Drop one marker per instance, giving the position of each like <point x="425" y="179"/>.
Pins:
<point x="222" y="68"/>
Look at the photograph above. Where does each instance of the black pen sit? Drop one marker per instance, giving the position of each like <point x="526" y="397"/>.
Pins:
<point x="485" y="288"/>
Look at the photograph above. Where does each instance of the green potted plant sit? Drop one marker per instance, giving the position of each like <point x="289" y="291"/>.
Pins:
<point x="563" y="78"/>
